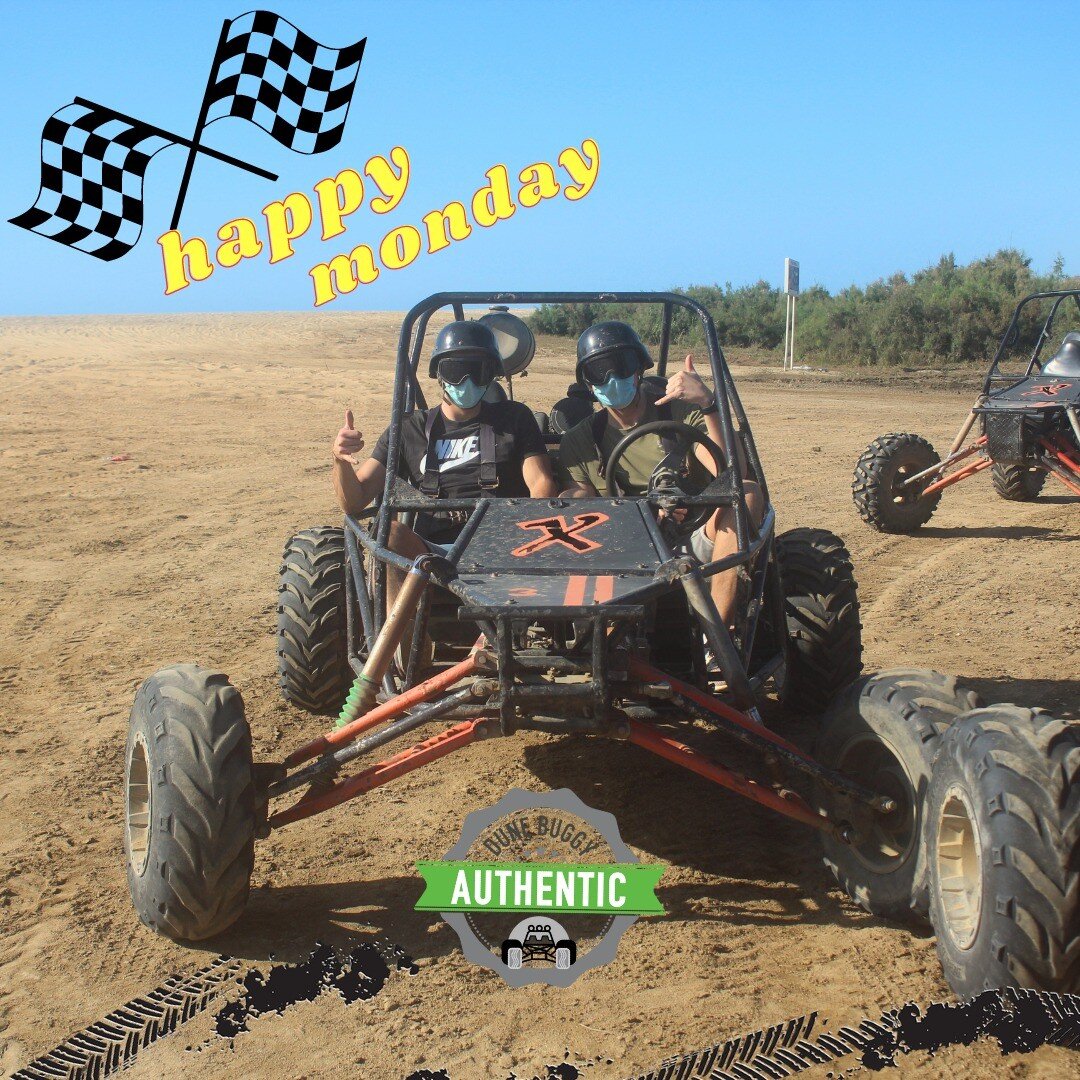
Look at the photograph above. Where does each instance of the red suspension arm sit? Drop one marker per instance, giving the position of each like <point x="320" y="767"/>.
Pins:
<point x="643" y="670"/>
<point x="387" y="711"/>
<point x="791" y="805"/>
<point x="1063" y="460"/>
<point x="423" y="753"/>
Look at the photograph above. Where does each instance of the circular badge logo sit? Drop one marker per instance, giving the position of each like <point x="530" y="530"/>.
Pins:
<point x="540" y="887"/>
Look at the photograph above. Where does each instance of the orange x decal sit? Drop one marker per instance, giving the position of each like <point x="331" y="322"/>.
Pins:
<point x="557" y="530"/>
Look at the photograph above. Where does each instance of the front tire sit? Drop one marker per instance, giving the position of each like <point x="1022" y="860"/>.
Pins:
<point x="1003" y="815"/>
<point x="1017" y="483"/>
<point x="565" y="955"/>
<point x="878" y="490"/>
<point x="312" y="638"/>
<point x="512" y="954"/>
<point x="821" y="606"/>
<point x="190" y="803"/>
<point x="884" y="732"/>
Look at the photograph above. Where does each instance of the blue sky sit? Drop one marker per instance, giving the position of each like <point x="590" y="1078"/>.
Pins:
<point x="860" y="138"/>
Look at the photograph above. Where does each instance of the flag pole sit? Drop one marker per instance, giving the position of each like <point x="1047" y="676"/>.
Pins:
<point x="199" y="125"/>
<point x="173" y="137"/>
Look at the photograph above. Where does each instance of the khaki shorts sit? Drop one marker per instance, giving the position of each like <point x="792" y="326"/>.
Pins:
<point x="699" y="545"/>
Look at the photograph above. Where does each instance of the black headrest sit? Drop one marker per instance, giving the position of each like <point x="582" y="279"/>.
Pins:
<point x="568" y="412"/>
<point x="655" y="386"/>
<point x="495" y="393"/>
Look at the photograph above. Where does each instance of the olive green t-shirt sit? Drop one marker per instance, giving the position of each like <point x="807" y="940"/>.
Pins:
<point x="580" y="463"/>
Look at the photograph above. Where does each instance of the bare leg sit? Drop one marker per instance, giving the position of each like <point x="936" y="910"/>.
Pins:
<point x="721" y="530"/>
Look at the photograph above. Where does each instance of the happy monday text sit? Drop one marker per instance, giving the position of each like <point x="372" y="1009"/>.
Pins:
<point x="337" y="197"/>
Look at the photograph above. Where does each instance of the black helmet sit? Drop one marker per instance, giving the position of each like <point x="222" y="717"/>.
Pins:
<point x="1066" y="361"/>
<point x="465" y="338"/>
<point x="610" y="337"/>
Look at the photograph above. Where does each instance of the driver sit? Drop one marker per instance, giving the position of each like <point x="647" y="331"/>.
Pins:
<point x="611" y="363"/>
<point x="463" y="448"/>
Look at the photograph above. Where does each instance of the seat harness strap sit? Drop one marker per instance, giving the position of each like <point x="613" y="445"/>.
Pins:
<point x="435" y="428"/>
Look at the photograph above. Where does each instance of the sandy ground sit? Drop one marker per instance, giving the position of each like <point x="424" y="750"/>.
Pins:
<point x="110" y="570"/>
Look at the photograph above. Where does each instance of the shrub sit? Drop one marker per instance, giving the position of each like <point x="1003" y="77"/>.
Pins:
<point x="944" y="314"/>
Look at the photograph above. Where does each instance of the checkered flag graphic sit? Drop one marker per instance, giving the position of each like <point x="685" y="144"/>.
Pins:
<point x="94" y="159"/>
<point x="92" y="168"/>
<point x="269" y="72"/>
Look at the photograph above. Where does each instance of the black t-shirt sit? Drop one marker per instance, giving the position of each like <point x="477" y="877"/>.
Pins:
<point x="457" y="445"/>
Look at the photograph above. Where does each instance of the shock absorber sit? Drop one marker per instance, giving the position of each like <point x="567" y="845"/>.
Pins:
<point x="365" y="687"/>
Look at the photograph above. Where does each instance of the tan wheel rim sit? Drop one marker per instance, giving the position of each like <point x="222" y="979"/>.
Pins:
<point x="138" y="805"/>
<point x="898" y="493"/>
<point x="958" y="868"/>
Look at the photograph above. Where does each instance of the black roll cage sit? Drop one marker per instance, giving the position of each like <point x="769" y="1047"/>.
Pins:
<point x="995" y="376"/>
<point x="754" y="545"/>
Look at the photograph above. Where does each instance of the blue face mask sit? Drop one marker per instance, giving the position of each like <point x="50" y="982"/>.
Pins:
<point x="466" y="395"/>
<point x="616" y="393"/>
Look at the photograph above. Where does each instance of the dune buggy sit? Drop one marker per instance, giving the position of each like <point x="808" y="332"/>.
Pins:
<point x="590" y="617"/>
<point x="1029" y="429"/>
<point x="539" y="943"/>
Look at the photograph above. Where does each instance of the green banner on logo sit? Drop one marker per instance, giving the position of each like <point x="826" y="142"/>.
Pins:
<point x="570" y="888"/>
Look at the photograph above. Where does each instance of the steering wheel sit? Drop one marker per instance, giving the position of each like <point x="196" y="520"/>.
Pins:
<point x="667" y="479"/>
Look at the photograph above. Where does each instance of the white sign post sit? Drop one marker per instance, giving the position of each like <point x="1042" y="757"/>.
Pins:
<point x="791" y="291"/>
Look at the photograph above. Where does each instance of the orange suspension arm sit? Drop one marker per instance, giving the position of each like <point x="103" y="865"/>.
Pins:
<point x="791" y="805"/>
<point x="315" y="801"/>
<point x="387" y="711"/>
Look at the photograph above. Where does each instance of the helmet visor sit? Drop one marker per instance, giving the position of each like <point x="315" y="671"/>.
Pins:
<point x="454" y="370"/>
<point x="619" y="362"/>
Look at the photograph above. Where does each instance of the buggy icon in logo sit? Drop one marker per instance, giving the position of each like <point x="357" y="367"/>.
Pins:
<point x="540" y="887"/>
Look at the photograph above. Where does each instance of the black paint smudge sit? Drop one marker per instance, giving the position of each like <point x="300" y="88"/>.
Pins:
<point x="358" y="974"/>
<point x="565" y="1071"/>
<point x="1020" y="1020"/>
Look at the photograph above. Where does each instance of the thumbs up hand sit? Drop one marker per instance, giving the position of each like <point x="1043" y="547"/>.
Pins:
<point x="349" y="440"/>
<point x="686" y="385"/>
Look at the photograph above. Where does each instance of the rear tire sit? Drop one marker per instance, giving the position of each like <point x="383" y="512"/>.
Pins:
<point x="1017" y="483"/>
<point x="884" y="733"/>
<point x="312" y="639"/>
<point x="876" y="485"/>
<point x="821" y="604"/>
<point x="565" y="955"/>
<point x="1003" y="843"/>
<point x="190" y="803"/>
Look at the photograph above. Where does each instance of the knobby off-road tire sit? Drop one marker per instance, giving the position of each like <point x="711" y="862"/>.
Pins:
<point x="1017" y="483"/>
<point x="190" y="803"/>
<point x="821" y="607"/>
<point x="1003" y="816"/>
<point x="875" y="487"/>
<point x="312" y="648"/>
<point x="884" y="732"/>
